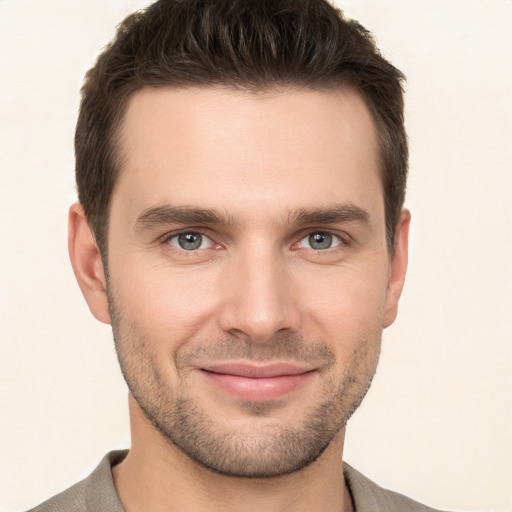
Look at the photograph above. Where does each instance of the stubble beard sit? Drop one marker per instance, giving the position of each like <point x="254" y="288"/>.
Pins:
<point x="270" y="449"/>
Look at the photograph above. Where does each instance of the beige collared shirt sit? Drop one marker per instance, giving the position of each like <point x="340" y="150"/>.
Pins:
<point x="97" y="493"/>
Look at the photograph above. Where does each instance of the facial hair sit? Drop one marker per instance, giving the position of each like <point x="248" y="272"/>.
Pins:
<point x="271" y="448"/>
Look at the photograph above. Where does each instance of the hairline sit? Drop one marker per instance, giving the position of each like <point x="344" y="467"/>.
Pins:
<point x="118" y="144"/>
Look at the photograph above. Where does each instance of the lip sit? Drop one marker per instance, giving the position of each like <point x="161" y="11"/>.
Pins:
<point x="257" y="383"/>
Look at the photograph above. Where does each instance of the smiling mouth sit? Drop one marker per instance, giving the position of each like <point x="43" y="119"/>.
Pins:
<point x="257" y="383"/>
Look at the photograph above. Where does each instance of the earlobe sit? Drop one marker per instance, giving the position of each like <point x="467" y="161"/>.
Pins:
<point x="397" y="268"/>
<point x="86" y="262"/>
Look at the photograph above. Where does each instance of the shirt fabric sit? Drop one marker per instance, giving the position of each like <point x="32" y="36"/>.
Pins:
<point x="97" y="493"/>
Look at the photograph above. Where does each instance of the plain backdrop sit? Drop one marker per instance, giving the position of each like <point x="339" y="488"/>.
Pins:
<point x="437" y="423"/>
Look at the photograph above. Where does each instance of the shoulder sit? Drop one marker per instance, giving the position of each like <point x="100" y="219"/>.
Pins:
<point x="94" y="494"/>
<point x="370" y="497"/>
<point x="71" y="500"/>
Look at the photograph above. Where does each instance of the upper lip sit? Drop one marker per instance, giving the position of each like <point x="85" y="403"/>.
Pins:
<point x="253" y="371"/>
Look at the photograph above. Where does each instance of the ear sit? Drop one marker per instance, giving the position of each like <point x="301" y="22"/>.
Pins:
<point x="397" y="268"/>
<point x="86" y="262"/>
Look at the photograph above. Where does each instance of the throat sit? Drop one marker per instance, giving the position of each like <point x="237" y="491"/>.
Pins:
<point x="166" y="479"/>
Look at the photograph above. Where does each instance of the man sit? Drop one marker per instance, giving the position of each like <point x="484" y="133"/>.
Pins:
<point x="241" y="170"/>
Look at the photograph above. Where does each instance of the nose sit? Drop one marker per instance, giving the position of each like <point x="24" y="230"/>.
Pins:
<point x="257" y="299"/>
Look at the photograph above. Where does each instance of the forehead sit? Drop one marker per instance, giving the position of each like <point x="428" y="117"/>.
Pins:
<point x="212" y="147"/>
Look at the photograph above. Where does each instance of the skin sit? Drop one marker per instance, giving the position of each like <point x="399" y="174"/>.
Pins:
<point x="274" y="168"/>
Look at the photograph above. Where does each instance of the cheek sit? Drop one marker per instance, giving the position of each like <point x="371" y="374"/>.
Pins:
<point x="345" y="309"/>
<point x="167" y="304"/>
<point x="345" y="299"/>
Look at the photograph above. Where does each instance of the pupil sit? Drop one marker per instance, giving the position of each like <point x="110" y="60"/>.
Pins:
<point x="190" y="241"/>
<point x="320" y="240"/>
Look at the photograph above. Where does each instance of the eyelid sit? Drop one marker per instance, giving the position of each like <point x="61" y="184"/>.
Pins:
<point x="174" y="235"/>
<point x="342" y="238"/>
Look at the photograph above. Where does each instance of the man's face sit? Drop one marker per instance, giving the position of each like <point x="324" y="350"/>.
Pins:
<point x="248" y="270"/>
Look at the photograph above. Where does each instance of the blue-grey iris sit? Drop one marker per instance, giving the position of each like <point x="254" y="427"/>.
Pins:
<point x="190" y="241"/>
<point x="319" y="241"/>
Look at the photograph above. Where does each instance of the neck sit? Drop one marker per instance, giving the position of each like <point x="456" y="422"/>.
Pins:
<point x="157" y="476"/>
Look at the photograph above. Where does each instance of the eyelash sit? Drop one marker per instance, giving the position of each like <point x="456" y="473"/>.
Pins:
<point x="343" y="241"/>
<point x="166" y="240"/>
<point x="333" y="236"/>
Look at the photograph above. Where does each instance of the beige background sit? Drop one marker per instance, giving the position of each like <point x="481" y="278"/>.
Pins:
<point x="437" y="422"/>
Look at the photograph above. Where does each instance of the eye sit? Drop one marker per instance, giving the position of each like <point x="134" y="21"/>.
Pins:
<point x="320" y="241"/>
<point x="190" y="241"/>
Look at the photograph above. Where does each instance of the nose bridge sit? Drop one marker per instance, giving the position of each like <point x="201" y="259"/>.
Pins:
<point x="257" y="302"/>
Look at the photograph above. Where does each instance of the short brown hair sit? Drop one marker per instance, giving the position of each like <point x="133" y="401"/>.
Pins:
<point x="244" y="44"/>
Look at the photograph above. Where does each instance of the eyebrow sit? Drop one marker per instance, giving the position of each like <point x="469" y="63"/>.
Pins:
<point x="168" y="214"/>
<point x="336" y="214"/>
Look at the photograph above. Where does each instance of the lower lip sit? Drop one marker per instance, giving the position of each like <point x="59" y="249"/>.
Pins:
<point x="257" y="390"/>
